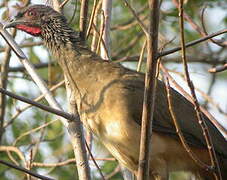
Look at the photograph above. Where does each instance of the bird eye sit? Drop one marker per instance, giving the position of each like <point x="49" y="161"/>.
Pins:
<point x="31" y="13"/>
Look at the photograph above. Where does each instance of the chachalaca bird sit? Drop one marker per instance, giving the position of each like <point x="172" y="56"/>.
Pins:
<point x="110" y="97"/>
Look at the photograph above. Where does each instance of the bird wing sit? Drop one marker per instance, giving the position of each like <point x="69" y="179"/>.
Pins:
<point x="184" y="112"/>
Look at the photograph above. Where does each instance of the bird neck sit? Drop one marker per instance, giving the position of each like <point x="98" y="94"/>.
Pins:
<point x="59" y="35"/>
<point x="68" y="49"/>
<point x="63" y="42"/>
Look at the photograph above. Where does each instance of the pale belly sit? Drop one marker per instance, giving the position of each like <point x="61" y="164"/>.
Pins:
<point x="122" y="139"/>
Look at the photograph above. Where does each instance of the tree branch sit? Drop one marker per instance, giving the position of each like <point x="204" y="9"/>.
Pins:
<point x="218" y="69"/>
<point x="3" y="84"/>
<point x="25" y="170"/>
<point x="192" y="43"/>
<point x="178" y="129"/>
<point x="105" y="23"/>
<point x="201" y="121"/>
<point x="83" y="18"/>
<point x="41" y="106"/>
<point x="149" y="91"/>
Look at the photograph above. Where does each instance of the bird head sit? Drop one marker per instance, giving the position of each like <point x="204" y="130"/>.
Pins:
<point x="45" y="22"/>
<point x="36" y="19"/>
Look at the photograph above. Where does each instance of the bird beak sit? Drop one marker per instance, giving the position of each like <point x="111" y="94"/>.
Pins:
<point x="13" y="23"/>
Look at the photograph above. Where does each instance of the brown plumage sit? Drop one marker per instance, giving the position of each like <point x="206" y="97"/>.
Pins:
<point x="109" y="100"/>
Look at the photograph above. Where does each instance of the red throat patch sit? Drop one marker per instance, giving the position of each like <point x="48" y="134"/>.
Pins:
<point x="35" y="31"/>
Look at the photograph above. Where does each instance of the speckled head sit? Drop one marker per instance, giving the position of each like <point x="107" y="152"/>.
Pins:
<point x="35" y="19"/>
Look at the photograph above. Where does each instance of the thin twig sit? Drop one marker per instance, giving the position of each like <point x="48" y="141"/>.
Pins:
<point x="131" y="22"/>
<point x="174" y="59"/>
<point x="3" y="84"/>
<point x="93" y="159"/>
<point x="192" y="43"/>
<point x="218" y="69"/>
<point x="133" y="42"/>
<point x="114" y="172"/>
<point x="67" y="162"/>
<point x="94" y="25"/>
<point x="200" y="119"/>
<point x="100" y="36"/>
<point x="74" y="12"/>
<point x="94" y="9"/>
<point x="14" y="149"/>
<point x="83" y="18"/>
<point x="189" y="98"/>
<point x="105" y="50"/>
<point x="20" y="110"/>
<point x="41" y="106"/>
<point x="141" y="56"/>
<point x="25" y="170"/>
<point x="36" y="66"/>
<point x="195" y="26"/>
<point x="206" y="96"/>
<point x="143" y="27"/>
<point x="217" y="42"/>
<point x="128" y="24"/>
<point x="178" y="129"/>
<point x="28" y="164"/>
<point x="33" y="130"/>
<point x="35" y="149"/>
<point x="25" y="45"/>
<point x="100" y="40"/>
<point x="64" y="3"/>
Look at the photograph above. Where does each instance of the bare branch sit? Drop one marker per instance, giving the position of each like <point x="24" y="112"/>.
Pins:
<point x="66" y="162"/>
<point x="131" y="22"/>
<point x="83" y="18"/>
<point x="94" y="25"/>
<point x="192" y="43"/>
<point x="27" y="44"/>
<point x="33" y="130"/>
<point x="178" y="129"/>
<point x="149" y="91"/>
<point x="94" y="9"/>
<point x="143" y="27"/>
<point x="93" y="159"/>
<point x="105" y="24"/>
<point x="100" y="40"/>
<point x="41" y="106"/>
<point x="141" y="56"/>
<point x="217" y="42"/>
<point x="3" y="84"/>
<point x="13" y="149"/>
<point x="189" y="98"/>
<point x="218" y="69"/>
<point x="201" y="121"/>
<point x="114" y="172"/>
<point x="64" y="3"/>
<point x="20" y="110"/>
<point x="25" y="170"/>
